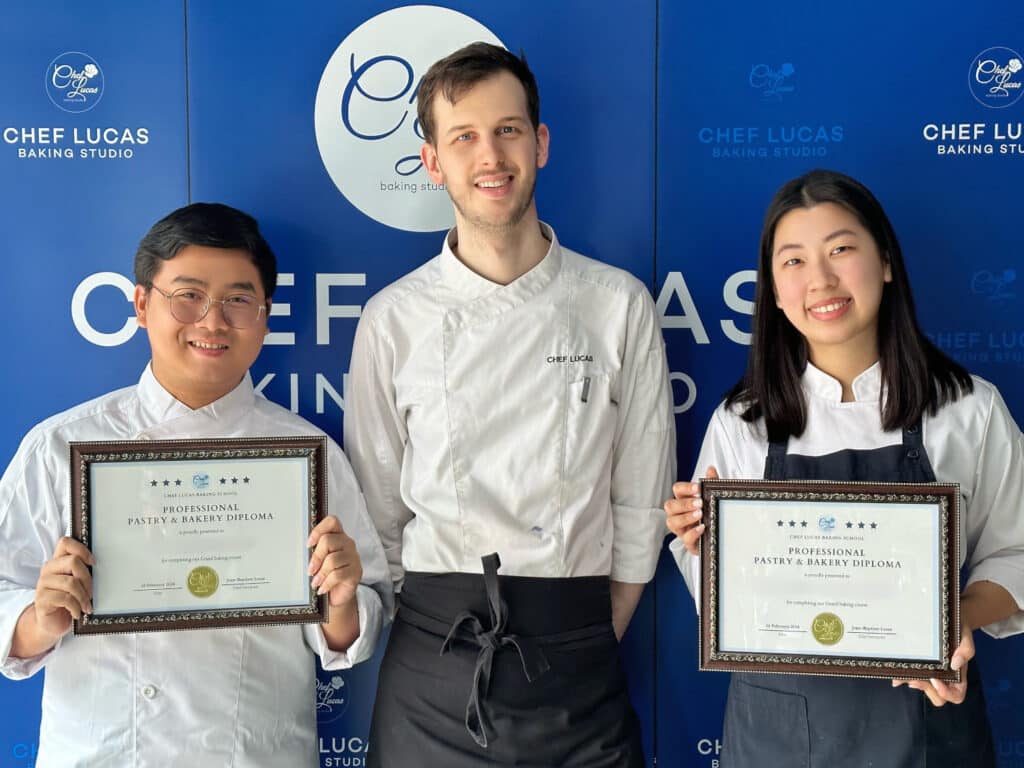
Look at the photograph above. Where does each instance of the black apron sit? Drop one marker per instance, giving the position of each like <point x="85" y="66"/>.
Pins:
<point x="503" y="671"/>
<point x="797" y="721"/>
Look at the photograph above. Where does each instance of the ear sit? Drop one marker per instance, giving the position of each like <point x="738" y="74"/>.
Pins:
<point x="887" y="274"/>
<point x="543" y="142"/>
<point x="266" y="319"/>
<point x="428" y="156"/>
<point x="141" y="302"/>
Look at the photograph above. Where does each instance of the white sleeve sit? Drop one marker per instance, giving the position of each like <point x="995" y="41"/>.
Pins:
<point x="644" y="455"/>
<point x="994" y="524"/>
<point x="375" y="438"/>
<point x="730" y="446"/>
<point x="374" y="596"/>
<point x="30" y="527"/>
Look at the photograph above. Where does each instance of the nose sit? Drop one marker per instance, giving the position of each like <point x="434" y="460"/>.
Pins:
<point x="822" y="275"/>
<point x="214" y="317"/>
<point x="490" y="152"/>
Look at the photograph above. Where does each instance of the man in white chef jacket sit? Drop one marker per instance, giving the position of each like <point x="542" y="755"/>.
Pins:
<point x="236" y="696"/>
<point x="508" y="407"/>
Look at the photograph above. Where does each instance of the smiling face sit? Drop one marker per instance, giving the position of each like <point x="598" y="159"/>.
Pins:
<point x="828" y="277"/>
<point x="201" y="362"/>
<point x="487" y="154"/>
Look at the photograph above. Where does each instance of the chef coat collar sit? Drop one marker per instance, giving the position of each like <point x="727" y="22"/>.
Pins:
<point x="466" y="286"/>
<point x="867" y="387"/>
<point x="161" y="408"/>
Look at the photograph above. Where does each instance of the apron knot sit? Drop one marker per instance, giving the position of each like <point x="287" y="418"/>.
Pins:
<point x="469" y="629"/>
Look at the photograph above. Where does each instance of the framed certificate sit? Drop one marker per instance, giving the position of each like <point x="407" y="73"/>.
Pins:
<point x="823" y="578"/>
<point x="199" y="533"/>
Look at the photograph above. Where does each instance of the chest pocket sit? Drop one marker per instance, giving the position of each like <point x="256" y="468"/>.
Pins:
<point x="591" y="414"/>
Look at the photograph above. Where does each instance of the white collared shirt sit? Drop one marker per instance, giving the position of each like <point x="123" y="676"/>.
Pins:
<point x="532" y="419"/>
<point x="974" y="442"/>
<point x="219" y="697"/>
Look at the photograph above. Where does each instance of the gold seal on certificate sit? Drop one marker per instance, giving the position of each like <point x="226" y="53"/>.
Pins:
<point x="189" y="534"/>
<point x="854" y="579"/>
<point x="827" y="628"/>
<point x="202" y="581"/>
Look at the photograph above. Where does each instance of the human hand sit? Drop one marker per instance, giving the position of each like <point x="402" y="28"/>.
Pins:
<point x="64" y="588"/>
<point x="684" y="512"/>
<point x="334" y="564"/>
<point x="940" y="693"/>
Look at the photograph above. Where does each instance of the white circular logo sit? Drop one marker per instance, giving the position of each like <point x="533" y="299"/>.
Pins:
<point x="365" y="113"/>
<point x="74" y="82"/>
<point x="996" y="78"/>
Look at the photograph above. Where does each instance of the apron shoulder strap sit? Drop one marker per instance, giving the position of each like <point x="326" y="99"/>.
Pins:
<point x="775" y="461"/>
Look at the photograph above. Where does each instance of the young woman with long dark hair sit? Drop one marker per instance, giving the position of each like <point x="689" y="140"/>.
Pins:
<point x="842" y="384"/>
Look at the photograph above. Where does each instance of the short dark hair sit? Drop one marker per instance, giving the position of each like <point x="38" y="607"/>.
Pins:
<point x="456" y="73"/>
<point x="916" y="375"/>
<point x="210" y="224"/>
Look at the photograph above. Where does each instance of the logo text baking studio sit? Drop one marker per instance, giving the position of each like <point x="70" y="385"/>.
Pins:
<point x="365" y="113"/>
<point x="995" y="80"/>
<point x="764" y="141"/>
<point x="337" y="750"/>
<point x="994" y="296"/>
<point x="75" y="84"/>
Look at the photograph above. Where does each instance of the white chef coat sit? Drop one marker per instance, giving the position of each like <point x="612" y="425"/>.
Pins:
<point x="973" y="441"/>
<point x="532" y="419"/>
<point x="217" y="697"/>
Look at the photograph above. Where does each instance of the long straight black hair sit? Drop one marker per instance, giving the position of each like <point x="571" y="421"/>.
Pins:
<point x="917" y="377"/>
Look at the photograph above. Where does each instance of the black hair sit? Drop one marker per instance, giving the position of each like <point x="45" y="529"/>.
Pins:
<point x="210" y="224"/>
<point x="917" y="376"/>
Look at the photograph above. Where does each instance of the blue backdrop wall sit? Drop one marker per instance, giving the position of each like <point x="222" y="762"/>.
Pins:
<point x="672" y="123"/>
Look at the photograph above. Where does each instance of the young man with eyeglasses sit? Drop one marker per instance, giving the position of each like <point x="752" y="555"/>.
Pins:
<point x="234" y="696"/>
<point x="508" y="408"/>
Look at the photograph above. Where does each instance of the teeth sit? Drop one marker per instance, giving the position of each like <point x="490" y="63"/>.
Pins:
<point x="830" y="307"/>
<point x="207" y="345"/>
<point x="492" y="184"/>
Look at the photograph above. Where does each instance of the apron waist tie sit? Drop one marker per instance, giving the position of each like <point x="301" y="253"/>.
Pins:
<point x="468" y="628"/>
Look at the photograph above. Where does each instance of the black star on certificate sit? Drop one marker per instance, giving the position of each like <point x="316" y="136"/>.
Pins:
<point x="803" y="523"/>
<point x="245" y="480"/>
<point x="223" y="481"/>
<point x="153" y="483"/>
<point x="166" y="483"/>
<point x="177" y="482"/>
<point x="860" y="525"/>
<point x="849" y="525"/>
<point x="792" y="523"/>
<point x="234" y="481"/>
<point x="780" y="522"/>
<point x="874" y="525"/>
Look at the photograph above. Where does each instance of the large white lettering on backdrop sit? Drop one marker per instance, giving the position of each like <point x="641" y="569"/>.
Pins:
<point x="365" y="113"/>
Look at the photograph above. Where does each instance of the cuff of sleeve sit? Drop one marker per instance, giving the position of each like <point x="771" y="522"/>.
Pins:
<point x="639" y="532"/>
<point x="371" y="616"/>
<point x="689" y="566"/>
<point x="1009" y="578"/>
<point x="11" y="608"/>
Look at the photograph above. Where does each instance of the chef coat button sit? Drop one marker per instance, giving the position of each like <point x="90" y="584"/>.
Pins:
<point x="149" y="691"/>
<point x="913" y="453"/>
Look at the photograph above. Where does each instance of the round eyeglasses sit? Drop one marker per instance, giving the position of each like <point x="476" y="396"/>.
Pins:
<point x="190" y="305"/>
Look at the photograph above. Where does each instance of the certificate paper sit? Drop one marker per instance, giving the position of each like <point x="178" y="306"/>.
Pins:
<point x="196" y="534"/>
<point x="854" y="579"/>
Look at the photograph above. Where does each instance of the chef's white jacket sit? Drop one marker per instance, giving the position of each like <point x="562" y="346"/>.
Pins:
<point x="215" y="697"/>
<point x="532" y="419"/>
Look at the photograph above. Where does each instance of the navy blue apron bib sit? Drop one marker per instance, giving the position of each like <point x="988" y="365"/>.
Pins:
<point x="503" y="671"/>
<point x="796" y="721"/>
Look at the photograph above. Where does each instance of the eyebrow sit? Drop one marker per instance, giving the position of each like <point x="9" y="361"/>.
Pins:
<point x="827" y="238"/>
<point x="244" y="285"/>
